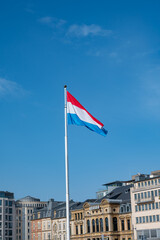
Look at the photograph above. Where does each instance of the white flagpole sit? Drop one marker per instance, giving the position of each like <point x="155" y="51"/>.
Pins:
<point x="66" y="164"/>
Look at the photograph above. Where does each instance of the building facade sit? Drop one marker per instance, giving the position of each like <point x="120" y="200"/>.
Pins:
<point x="24" y="211"/>
<point x="107" y="218"/>
<point x="7" y="216"/>
<point x="145" y="199"/>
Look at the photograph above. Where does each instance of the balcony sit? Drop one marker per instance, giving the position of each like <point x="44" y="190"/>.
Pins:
<point x="145" y="200"/>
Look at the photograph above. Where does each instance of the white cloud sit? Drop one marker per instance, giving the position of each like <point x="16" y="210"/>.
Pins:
<point x="87" y="30"/>
<point x="11" y="88"/>
<point x="45" y="20"/>
<point x="51" y="21"/>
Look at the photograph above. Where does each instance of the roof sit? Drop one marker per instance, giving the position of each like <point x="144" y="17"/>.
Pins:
<point x="121" y="193"/>
<point x="29" y="199"/>
<point x="110" y="183"/>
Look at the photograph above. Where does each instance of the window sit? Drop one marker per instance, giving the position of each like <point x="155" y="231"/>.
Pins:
<point x="76" y="229"/>
<point x="154" y="218"/>
<point x="139" y="207"/>
<point x="140" y="219"/>
<point x="115" y="224"/>
<point x="142" y="195"/>
<point x="49" y="236"/>
<point x="143" y="219"/>
<point x="0" y="202"/>
<point x="146" y="207"/>
<point x="59" y="226"/>
<point x="149" y="206"/>
<point x="148" y="183"/>
<point x="149" y="194"/>
<point x="101" y="224"/>
<point x="152" y="182"/>
<point x="93" y="225"/>
<point x="135" y="196"/>
<point x="157" y="218"/>
<point x="97" y="225"/>
<point x="156" y="205"/>
<point x="147" y="219"/>
<point x="143" y="207"/>
<point x="81" y="229"/>
<point x="39" y="225"/>
<point x="152" y="205"/>
<point x="75" y="216"/>
<point x="136" y="208"/>
<point x="128" y="224"/>
<point x="122" y="225"/>
<point x="10" y="210"/>
<point x="106" y="223"/>
<point x="155" y="193"/>
<point x="145" y="194"/>
<point x="88" y="226"/>
<point x="48" y="225"/>
<point x="156" y="182"/>
<point x="150" y="218"/>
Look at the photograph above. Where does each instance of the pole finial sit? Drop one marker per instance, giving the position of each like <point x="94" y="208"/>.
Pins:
<point x="65" y="86"/>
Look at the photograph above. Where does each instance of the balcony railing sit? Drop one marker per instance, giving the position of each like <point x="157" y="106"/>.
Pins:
<point x="145" y="200"/>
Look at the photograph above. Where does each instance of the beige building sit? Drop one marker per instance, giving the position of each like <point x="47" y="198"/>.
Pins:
<point x="24" y="211"/>
<point x="145" y="200"/>
<point x="59" y="228"/>
<point x="46" y="228"/>
<point x="107" y="218"/>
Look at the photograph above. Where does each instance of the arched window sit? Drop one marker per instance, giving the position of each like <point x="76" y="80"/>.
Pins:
<point x="101" y="224"/>
<point x="88" y="226"/>
<point x="97" y="225"/>
<point x="93" y="225"/>
<point x="115" y="228"/>
<point x="106" y="223"/>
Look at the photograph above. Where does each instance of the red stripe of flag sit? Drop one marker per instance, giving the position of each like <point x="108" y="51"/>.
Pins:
<point x="72" y="100"/>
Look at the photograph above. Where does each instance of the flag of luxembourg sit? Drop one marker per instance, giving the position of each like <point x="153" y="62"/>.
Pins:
<point x="78" y="115"/>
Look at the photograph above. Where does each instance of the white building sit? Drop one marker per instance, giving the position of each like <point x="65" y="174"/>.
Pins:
<point x="145" y="201"/>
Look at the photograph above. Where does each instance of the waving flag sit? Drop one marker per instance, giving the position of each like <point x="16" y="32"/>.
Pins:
<point x="78" y="115"/>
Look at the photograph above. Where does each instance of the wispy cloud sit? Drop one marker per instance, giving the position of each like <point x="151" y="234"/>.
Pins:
<point x="87" y="30"/>
<point x="52" y="22"/>
<point x="151" y="91"/>
<point x="11" y="88"/>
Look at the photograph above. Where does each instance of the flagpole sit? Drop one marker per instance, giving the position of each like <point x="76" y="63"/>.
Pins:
<point x="66" y="164"/>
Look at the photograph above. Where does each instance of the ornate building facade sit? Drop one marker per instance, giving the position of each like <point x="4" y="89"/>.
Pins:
<point x="107" y="218"/>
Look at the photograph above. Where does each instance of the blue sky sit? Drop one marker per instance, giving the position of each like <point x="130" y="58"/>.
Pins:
<point x="108" y="53"/>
